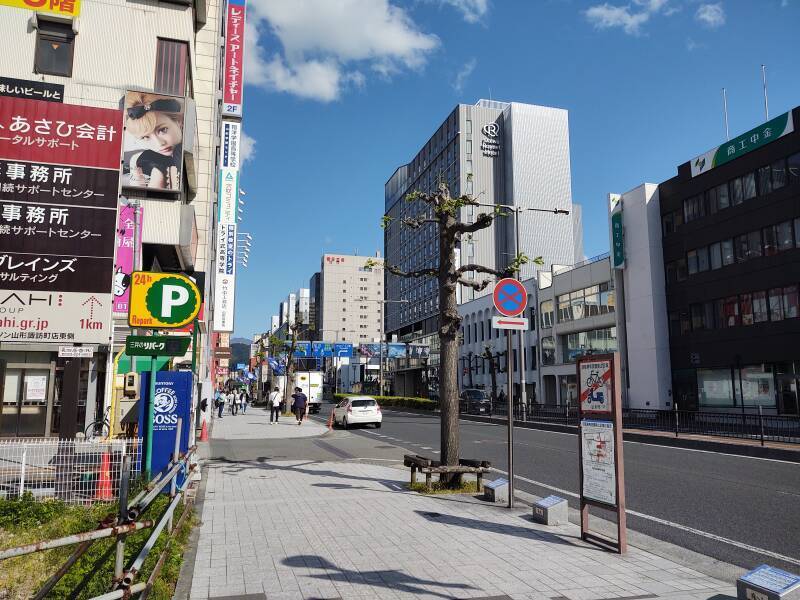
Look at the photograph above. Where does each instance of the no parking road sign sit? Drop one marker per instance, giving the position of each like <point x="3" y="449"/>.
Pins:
<point x="510" y="297"/>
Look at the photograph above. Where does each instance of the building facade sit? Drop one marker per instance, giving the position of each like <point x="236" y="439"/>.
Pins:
<point x="104" y="55"/>
<point x="351" y="299"/>
<point x="498" y="153"/>
<point x="731" y="251"/>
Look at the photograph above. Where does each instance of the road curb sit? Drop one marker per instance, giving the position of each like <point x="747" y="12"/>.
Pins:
<point x="707" y="445"/>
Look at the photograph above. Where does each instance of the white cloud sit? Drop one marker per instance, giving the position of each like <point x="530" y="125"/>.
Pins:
<point x="472" y="10"/>
<point x="247" y="148"/>
<point x="711" y="15"/>
<point x="324" y="42"/>
<point x="691" y="45"/>
<point x="629" y="17"/>
<point x="463" y="74"/>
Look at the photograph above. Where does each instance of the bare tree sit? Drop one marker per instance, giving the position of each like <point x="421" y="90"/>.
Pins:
<point x="441" y="210"/>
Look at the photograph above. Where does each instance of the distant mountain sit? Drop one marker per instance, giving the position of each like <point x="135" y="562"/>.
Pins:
<point x="240" y="353"/>
<point x="241" y="341"/>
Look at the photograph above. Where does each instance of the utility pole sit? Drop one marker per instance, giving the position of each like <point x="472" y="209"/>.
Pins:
<point x="510" y="377"/>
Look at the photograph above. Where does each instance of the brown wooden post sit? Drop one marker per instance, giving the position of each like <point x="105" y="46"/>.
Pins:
<point x="428" y="480"/>
<point x="413" y="475"/>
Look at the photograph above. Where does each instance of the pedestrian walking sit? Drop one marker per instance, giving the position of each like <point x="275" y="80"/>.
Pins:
<point x="219" y="402"/>
<point x="299" y="402"/>
<point x="244" y="400"/>
<point x="274" y="402"/>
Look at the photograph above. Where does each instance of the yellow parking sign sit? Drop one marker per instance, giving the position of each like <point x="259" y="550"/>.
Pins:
<point x="162" y="300"/>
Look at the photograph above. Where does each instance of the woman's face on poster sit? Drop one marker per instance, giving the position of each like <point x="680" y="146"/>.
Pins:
<point x="165" y="135"/>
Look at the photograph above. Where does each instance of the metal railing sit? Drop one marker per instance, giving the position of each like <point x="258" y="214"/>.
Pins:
<point x="123" y="522"/>
<point x="75" y="471"/>
<point x="751" y="425"/>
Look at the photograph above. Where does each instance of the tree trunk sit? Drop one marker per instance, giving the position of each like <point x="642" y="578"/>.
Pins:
<point x="448" y="368"/>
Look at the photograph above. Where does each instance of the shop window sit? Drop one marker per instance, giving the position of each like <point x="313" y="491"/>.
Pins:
<point x="764" y="180"/>
<point x="785" y="238"/>
<point x="776" y="304"/>
<point x="757" y="385"/>
<point x="737" y="191"/>
<point x="726" y="247"/>
<point x="793" y="168"/>
<point x="55" y="47"/>
<point x="746" y="307"/>
<point x="790" y="302"/>
<point x="770" y="236"/>
<point x="760" y="308"/>
<point x="731" y="311"/>
<point x="715" y="387"/>
<point x="778" y="174"/>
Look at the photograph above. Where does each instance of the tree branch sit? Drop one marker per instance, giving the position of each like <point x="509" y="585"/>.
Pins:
<point x="482" y="269"/>
<point x="419" y="273"/>
<point x="417" y="222"/>
<point x="482" y="222"/>
<point x="478" y="286"/>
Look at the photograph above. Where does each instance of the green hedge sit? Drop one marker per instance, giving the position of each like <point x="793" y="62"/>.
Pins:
<point x="397" y="401"/>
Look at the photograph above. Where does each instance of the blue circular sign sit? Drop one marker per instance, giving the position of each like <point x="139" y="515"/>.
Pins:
<point x="510" y="297"/>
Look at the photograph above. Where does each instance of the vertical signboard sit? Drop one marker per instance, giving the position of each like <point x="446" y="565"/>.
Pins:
<point x="234" y="59"/>
<point x="59" y="182"/>
<point x="129" y="246"/>
<point x="225" y="277"/>
<point x="229" y="152"/>
<point x="65" y="8"/>
<point x="602" y="475"/>
<point x="173" y="400"/>
<point x="617" y="232"/>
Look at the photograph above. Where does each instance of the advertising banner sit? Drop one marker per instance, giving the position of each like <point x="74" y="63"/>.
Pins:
<point x="228" y="195"/>
<point x="234" y="59"/>
<point x="153" y="146"/>
<point x="741" y="145"/>
<point x="59" y="179"/>
<point x="68" y="8"/>
<point x="60" y="134"/>
<point x="173" y="399"/>
<point x="129" y="243"/>
<point x="225" y="279"/>
<point x="32" y="90"/>
<point x="229" y="152"/>
<point x="389" y="350"/>
<point x="599" y="476"/>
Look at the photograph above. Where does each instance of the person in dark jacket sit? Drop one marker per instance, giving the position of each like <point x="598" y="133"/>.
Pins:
<point x="299" y="402"/>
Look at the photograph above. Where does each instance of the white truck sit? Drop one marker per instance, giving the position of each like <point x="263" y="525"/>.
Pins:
<point x="311" y="384"/>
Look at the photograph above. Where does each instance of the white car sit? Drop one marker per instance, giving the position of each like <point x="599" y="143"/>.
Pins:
<point x="357" y="410"/>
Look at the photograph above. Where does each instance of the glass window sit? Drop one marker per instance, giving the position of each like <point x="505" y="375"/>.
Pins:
<point x="702" y="259"/>
<point x="727" y="252"/>
<point x="731" y="311"/>
<point x="468" y="146"/>
<point x="719" y="309"/>
<point x="778" y="174"/>
<point x="686" y="324"/>
<point x="776" y="304"/>
<point x="546" y="313"/>
<point x="784" y="234"/>
<point x="749" y="186"/>
<point x="722" y="196"/>
<point x="770" y="235"/>
<point x="55" y="44"/>
<point x="790" y="302"/>
<point x="764" y="180"/>
<point x="669" y="272"/>
<point x="674" y="324"/>
<point x="548" y="350"/>
<point x="758" y="385"/>
<point x="754" y="244"/>
<point x="737" y="191"/>
<point x="715" y="252"/>
<point x="592" y="302"/>
<point x="696" y="312"/>
<point x="667" y="224"/>
<point x="746" y="306"/>
<point x="760" y="312"/>
<point x="691" y="261"/>
<point x="740" y="243"/>
<point x="793" y="168"/>
<point x="468" y="126"/>
<point x="715" y="387"/>
<point x="797" y="232"/>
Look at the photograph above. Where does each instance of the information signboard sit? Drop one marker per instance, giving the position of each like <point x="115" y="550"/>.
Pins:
<point x="597" y="461"/>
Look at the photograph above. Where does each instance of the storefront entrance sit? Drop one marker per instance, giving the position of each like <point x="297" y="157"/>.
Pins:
<point x="788" y="384"/>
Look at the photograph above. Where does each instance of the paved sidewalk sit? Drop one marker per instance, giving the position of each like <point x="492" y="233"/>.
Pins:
<point x="306" y="529"/>
<point x="254" y="425"/>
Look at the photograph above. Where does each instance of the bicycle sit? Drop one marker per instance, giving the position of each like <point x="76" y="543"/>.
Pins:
<point x="100" y="428"/>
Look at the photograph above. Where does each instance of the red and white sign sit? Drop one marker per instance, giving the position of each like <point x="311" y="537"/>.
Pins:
<point x="510" y="297"/>
<point x="234" y="59"/>
<point x="64" y="134"/>
<point x="596" y="384"/>
<point x="334" y="260"/>
<point x="510" y="323"/>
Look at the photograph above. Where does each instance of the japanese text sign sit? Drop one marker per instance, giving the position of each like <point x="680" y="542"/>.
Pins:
<point x="32" y="90"/>
<point x="66" y="134"/>
<point x="156" y="345"/>
<point x="595" y="382"/>
<point x="234" y="59"/>
<point x="70" y="8"/>
<point x="129" y="244"/>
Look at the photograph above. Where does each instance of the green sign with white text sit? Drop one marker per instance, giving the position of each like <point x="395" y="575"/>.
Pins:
<point x="156" y="345"/>
<point x="741" y="145"/>
<point x="617" y="240"/>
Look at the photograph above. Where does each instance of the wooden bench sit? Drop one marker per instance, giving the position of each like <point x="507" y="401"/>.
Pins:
<point x="428" y="466"/>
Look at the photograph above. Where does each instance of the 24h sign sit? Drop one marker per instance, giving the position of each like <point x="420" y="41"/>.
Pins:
<point x="162" y="300"/>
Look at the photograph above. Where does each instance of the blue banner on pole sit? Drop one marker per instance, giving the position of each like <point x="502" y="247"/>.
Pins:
<point x="173" y="400"/>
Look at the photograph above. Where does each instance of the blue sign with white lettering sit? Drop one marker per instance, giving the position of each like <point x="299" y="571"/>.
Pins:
<point x="772" y="579"/>
<point x="341" y="350"/>
<point x="173" y="400"/>
<point x="321" y="349"/>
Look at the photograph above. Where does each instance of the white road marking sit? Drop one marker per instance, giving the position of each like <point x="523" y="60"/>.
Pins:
<point x="705" y="534"/>
<point x="426" y="447"/>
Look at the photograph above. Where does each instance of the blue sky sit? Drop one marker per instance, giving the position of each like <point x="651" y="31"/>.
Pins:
<point x="341" y="92"/>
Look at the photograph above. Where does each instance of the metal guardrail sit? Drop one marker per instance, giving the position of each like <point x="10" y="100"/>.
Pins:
<point x="755" y="426"/>
<point x="75" y="471"/>
<point x="125" y="522"/>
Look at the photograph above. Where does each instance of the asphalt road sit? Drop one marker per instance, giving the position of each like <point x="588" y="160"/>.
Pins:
<point x="724" y="506"/>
